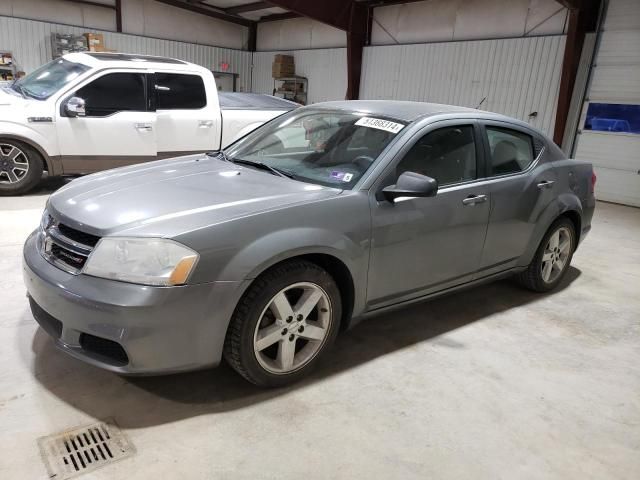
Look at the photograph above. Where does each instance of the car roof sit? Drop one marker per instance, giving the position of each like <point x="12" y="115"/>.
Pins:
<point x="409" y="111"/>
<point x="129" y="60"/>
<point x="399" y="109"/>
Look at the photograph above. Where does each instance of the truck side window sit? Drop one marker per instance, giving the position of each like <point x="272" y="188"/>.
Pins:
<point x="114" y="92"/>
<point x="177" y="91"/>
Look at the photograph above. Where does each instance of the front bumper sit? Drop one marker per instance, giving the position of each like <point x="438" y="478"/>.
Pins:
<point x="128" y="328"/>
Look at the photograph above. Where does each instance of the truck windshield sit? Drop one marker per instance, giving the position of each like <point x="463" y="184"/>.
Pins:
<point x="325" y="147"/>
<point x="49" y="78"/>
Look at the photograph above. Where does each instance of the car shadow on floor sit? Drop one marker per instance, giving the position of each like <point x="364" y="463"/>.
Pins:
<point x="138" y="402"/>
<point x="48" y="185"/>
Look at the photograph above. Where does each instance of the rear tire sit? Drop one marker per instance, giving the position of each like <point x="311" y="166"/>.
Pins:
<point x="21" y="167"/>
<point x="284" y="323"/>
<point x="552" y="259"/>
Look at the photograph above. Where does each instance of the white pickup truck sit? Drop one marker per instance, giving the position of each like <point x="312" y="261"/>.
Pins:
<point x="86" y="112"/>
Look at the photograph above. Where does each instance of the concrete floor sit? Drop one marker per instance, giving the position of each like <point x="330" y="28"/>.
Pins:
<point x="495" y="382"/>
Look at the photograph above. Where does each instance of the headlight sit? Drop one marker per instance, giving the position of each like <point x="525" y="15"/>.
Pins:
<point x="45" y="221"/>
<point x="148" y="261"/>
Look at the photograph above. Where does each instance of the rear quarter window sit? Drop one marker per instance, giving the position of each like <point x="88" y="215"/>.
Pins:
<point x="178" y="91"/>
<point x="512" y="151"/>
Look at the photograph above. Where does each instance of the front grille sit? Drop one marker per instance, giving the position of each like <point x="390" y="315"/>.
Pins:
<point x="73" y="260"/>
<point x="108" y="350"/>
<point x="78" y="236"/>
<point x="66" y="247"/>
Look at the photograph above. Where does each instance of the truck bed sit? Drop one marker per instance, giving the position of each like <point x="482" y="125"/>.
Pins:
<point x="253" y="101"/>
<point x="244" y="112"/>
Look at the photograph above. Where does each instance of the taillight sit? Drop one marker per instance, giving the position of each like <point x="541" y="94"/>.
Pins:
<point x="593" y="181"/>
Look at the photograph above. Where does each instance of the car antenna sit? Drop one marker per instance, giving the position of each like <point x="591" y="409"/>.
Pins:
<point x="481" y="102"/>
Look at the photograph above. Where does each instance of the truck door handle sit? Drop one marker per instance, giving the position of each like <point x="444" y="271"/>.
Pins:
<point x="143" y="127"/>
<point x="205" y="123"/>
<point x="473" y="199"/>
<point x="546" y="184"/>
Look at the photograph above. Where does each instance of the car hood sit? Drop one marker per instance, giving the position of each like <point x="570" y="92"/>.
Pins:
<point x="169" y="197"/>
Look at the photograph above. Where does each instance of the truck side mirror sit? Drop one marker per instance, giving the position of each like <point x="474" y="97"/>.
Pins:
<point x="411" y="184"/>
<point x="75" y="107"/>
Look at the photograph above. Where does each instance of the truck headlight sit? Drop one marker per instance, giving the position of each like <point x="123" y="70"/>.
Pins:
<point x="147" y="261"/>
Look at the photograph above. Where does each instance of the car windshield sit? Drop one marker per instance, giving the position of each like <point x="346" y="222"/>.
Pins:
<point x="49" y="78"/>
<point x="325" y="147"/>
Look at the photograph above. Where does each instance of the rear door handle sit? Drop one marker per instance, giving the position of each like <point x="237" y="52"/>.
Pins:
<point x="205" y="123"/>
<point x="546" y="184"/>
<point x="143" y="127"/>
<point x="473" y="199"/>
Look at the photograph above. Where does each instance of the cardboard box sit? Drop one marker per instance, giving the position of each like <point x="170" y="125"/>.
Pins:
<point x="287" y="59"/>
<point x="280" y="71"/>
<point x="95" y="42"/>
<point x="283" y="66"/>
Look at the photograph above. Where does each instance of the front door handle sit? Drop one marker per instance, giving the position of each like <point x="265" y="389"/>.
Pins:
<point x="205" y="123"/>
<point x="143" y="127"/>
<point x="546" y="184"/>
<point x="473" y="199"/>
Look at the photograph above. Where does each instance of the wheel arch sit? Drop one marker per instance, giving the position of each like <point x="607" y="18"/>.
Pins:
<point x="567" y="205"/>
<point x="576" y="219"/>
<point x="329" y="261"/>
<point x="48" y="164"/>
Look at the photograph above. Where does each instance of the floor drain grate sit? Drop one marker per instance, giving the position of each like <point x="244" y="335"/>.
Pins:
<point x="84" y="449"/>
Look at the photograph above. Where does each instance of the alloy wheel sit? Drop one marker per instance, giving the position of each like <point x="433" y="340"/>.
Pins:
<point x="14" y="164"/>
<point x="292" y="328"/>
<point x="556" y="255"/>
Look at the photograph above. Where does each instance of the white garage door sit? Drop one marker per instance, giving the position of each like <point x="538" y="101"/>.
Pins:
<point x="609" y="134"/>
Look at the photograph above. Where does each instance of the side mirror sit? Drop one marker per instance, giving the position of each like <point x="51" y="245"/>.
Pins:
<point x="75" y="107"/>
<point x="411" y="185"/>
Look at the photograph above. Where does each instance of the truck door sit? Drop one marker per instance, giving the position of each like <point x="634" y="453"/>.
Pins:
<point x="117" y="128"/>
<point x="188" y="117"/>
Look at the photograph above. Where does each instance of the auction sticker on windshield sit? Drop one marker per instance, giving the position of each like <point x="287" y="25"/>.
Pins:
<point x="380" y="124"/>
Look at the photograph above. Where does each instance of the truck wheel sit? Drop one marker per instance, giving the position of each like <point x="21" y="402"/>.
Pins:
<point x="552" y="258"/>
<point x="282" y="325"/>
<point x="20" y="167"/>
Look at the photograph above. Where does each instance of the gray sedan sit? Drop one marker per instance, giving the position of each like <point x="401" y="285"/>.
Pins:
<point x="263" y="252"/>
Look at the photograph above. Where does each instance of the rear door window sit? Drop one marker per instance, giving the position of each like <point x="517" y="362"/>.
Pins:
<point x="178" y="91"/>
<point x="511" y="150"/>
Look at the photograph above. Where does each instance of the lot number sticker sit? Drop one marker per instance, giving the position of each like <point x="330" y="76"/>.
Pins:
<point x="380" y="124"/>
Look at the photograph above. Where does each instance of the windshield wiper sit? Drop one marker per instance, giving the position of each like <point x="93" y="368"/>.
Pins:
<point x="219" y="154"/>
<point x="264" y="166"/>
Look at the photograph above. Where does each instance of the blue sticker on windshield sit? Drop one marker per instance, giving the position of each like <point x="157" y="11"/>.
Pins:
<point x="341" y="176"/>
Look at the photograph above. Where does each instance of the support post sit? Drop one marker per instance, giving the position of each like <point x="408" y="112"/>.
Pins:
<point x="356" y="38"/>
<point x="582" y="18"/>
<point x="119" y="15"/>
<point x="253" y="34"/>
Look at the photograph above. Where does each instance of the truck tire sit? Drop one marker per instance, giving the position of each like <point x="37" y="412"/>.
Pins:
<point x="286" y="320"/>
<point x="21" y="167"/>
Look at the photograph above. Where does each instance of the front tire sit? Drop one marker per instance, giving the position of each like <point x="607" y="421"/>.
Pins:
<point x="552" y="259"/>
<point x="283" y="324"/>
<point x="21" y="167"/>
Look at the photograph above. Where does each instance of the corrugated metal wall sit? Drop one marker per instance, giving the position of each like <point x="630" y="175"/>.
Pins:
<point x="29" y="41"/>
<point x="326" y="70"/>
<point x="517" y="76"/>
